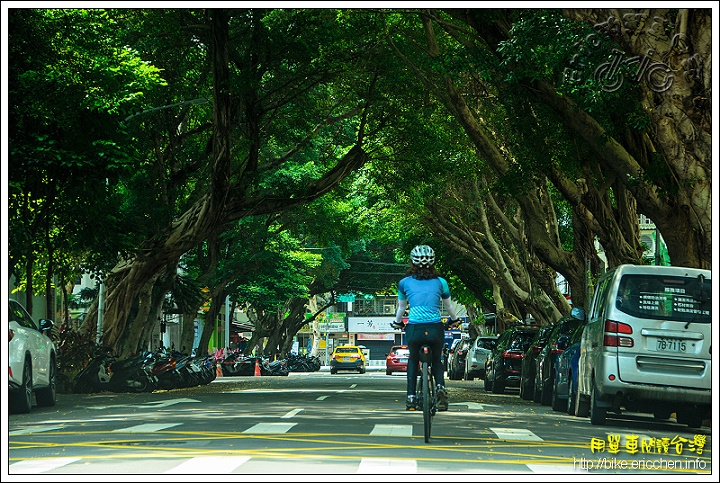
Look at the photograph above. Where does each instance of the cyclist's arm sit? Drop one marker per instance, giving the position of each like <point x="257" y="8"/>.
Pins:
<point x="402" y="305"/>
<point x="449" y="305"/>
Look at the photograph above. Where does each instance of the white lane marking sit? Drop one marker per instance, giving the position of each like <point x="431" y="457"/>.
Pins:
<point x="353" y="385"/>
<point x="270" y="428"/>
<point x="392" y="430"/>
<point x="209" y="465"/>
<point x="473" y="406"/>
<point x="554" y="469"/>
<point x="19" y="432"/>
<point x="146" y="428"/>
<point x="33" y="467"/>
<point x="291" y="413"/>
<point x="515" y="434"/>
<point x="148" y="405"/>
<point x="385" y="466"/>
<point x="322" y="398"/>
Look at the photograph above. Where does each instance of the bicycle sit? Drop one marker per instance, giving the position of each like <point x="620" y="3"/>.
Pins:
<point x="426" y="385"/>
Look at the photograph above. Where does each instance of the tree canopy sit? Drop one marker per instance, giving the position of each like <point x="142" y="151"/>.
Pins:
<point x="277" y="155"/>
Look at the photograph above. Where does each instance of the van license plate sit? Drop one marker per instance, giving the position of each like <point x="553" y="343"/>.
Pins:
<point x="671" y="345"/>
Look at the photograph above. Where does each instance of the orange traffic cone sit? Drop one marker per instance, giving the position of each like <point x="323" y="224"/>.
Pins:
<point x="257" y="367"/>
<point x="218" y="370"/>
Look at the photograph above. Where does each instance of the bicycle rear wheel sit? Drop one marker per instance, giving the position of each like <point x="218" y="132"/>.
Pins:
<point x="427" y="401"/>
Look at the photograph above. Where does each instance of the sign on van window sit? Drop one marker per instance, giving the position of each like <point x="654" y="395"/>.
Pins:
<point x="663" y="297"/>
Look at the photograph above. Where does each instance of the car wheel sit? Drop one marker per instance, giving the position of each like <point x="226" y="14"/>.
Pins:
<point x="545" y="393"/>
<point x="537" y="396"/>
<point x="557" y="403"/>
<point x="468" y="376"/>
<point x="691" y="416"/>
<point x="21" y="400"/>
<point x="571" y="396"/>
<point x="486" y="383"/>
<point x="597" y="413"/>
<point x="362" y="370"/>
<point x="388" y="372"/>
<point x="47" y="396"/>
<point x="333" y="370"/>
<point x="662" y="413"/>
<point x="498" y="386"/>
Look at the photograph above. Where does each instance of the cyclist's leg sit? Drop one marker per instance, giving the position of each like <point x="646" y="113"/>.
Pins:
<point x="436" y="344"/>
<point x="412" y="368"/>
<point x="437" y="368"/>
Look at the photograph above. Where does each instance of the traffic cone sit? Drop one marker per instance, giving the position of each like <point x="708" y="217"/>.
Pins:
<point x="257" y="367"/>
<point x="218" y="370"/>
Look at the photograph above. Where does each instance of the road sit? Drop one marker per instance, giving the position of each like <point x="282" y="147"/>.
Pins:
<point x="323" y="424"/>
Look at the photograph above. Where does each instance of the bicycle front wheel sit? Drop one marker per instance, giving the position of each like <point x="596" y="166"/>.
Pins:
<point x="427" y="401"/>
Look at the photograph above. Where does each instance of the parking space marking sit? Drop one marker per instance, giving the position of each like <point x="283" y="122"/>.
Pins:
<point x="210" y="465"/>
<point x="385" y="466"/>
<point x="392" y="430"/>
<point x="33" y="467"/>
<point x="270" y="428"/>
<point x="515" y="434"/>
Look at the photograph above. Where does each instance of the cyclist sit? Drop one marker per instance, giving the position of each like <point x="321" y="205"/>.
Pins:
<point x="423" y="289"/>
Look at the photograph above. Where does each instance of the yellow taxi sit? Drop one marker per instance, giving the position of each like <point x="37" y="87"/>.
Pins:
<point x="347" y="357"/>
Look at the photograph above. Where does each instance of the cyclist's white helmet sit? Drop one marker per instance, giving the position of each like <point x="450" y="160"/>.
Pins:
<point x="423" y="256"/>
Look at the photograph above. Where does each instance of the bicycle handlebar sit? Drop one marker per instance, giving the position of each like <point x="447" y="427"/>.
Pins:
<point x="446" y="325"/>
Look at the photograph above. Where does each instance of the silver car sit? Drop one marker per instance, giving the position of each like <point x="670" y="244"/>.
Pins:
<point x="32" y="365"/>
<point x="646" y="346"/>
<point x="477" y="354"/>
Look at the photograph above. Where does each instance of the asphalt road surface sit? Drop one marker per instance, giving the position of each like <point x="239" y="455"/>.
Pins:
<point x="323" y="424"/>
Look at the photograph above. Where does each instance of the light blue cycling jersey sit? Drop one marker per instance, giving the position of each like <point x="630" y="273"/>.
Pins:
<point x="424" y="297"/>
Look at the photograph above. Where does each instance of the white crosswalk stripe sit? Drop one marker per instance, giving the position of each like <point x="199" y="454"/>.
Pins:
<point x="34" y="467"/>
<point x="209" y="465"/>
<point x="386" y="466"/>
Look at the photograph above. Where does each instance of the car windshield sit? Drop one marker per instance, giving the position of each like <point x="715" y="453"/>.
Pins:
<point x="686" y="299"/>
<point x="402" y="352"/>
<point x="521" y="341"/>
<point x="346" y="350"/>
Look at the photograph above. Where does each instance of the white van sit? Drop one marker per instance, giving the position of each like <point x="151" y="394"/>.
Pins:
<point x="646" y="346"/>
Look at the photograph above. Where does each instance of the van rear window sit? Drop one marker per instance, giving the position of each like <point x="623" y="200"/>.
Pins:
<point x="685" y="299"/>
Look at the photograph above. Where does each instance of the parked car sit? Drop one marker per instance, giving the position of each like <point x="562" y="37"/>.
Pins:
<point x="456" y="366"/>
<point x="451" y="353"/>
<point x="646" y="347"/>
<point x="347" y="357"/>
<point x="32" y="363"/>
<point x="545" y="362"/>
<point x="476" y="356"/>
<point x="397" y="359"/>
<point x="504" y="364"/>
<point x="566" y="370"/>
<point x="527" y="372"/>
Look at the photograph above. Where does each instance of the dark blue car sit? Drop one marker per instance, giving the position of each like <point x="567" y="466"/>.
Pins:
<point x="564" y="390"/>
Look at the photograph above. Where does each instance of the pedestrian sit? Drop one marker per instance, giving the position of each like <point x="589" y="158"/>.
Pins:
<point x="423" y="290"/>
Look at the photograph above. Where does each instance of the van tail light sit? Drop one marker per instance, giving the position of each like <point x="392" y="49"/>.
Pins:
<point x="615" y="333"/>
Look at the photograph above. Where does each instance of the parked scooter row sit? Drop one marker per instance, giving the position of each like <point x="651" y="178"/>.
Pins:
<point x="150" y="371"/>
<point x="145" y="372"/>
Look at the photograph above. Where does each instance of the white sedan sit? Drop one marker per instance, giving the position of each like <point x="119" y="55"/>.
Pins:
<point x="32" y="364"/>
